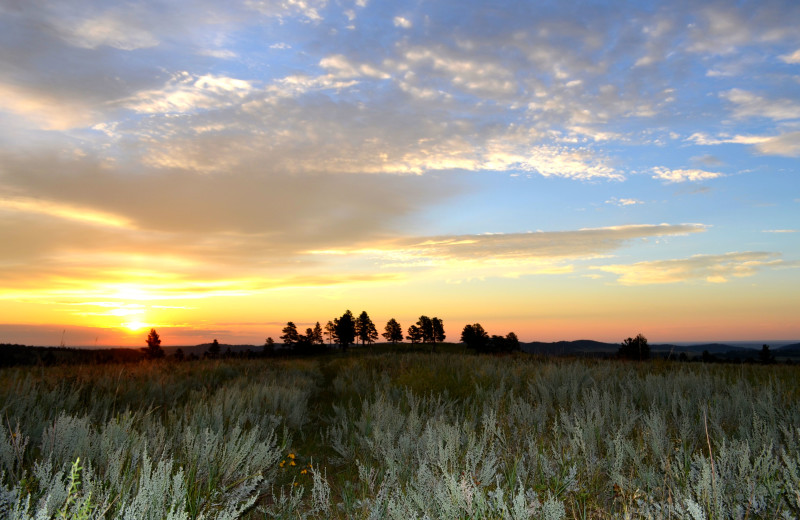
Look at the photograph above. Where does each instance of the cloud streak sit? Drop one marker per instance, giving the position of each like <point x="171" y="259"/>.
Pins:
<point x="708" y="268"/>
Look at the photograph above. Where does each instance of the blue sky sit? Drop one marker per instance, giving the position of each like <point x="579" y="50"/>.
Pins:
<point x="176" y="164"/>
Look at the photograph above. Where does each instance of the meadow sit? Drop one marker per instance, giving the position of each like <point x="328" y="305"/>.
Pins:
<point x="400" y="435"/>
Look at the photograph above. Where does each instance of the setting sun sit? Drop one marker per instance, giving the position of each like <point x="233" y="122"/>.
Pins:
<point x="135" y="326"/>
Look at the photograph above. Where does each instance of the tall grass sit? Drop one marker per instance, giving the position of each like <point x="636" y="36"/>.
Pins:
<point x="413" y="435"/>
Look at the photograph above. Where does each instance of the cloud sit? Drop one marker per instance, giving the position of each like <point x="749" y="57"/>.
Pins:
<point x="185" y="92"/>
<point x="310" y="9"/>
<point x="525" y="252"/>
<point x="791" y="58"/>
<point x="672" y="176"/>
<point x="748" y="104"/>
<point x="623" y="202"/>
<point x="400" y="21"/>
<point x="63" y="211"/>
<point x="45" y="110"/>
<point x="710" y="268"/>
<point x="780" y="231"/>
<point x="114" y="29"/>
<point x="787" y="145"/>
<point x="723" y="29"/>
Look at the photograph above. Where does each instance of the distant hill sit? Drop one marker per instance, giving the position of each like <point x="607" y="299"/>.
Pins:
<point x="585" y="347"/>
<point x="788" y="350"/>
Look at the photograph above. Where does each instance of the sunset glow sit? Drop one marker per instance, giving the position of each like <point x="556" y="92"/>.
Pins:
<point x="215" y="170"/>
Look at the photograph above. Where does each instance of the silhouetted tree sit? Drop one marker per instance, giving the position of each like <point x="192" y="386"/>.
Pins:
<point x="635" y="348"/>
<point x="474" y="337"/>
<point x="269" y="347"/>
<point x="316" y="335"/>
<point x="345" y="329"/>
<point x="394" y="332"/>
<point x="290" y="336"/>
<point x="414" y="334"/>
<point x="213" y="350"/>
<point x="765" y="356"/>
<point x="305" y="342"/>
<point x="153" y="349"/>
<point x="179" y="356"/>
<point x="512" y="342"/>
<point x="365" y="328"/>
<point x="425" y="325"/>
<point x="509" y="343"/>
<point x="438" y="330"/>
<point x="330" y="332"/>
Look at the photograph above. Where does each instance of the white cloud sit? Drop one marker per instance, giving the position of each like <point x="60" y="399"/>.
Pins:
<point x="400" y="21"/>
<point x="786" y="145"/>
<point x="308" y="8"/>
<point x="683" y="175"/>
<point x="341" y="67"/>
<point x="791" y="58"/>
<point x="222" y="54"/>
<point x="710" y="268"/>
<point x="748" y="104"/>
<point x="623" y="202"/>
<point x="780" y="231"/>
<point x="185" y="92"/>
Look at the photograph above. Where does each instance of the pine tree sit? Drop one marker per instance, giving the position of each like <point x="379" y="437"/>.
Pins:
<point x="330" y="332"/>
<point x="345" y="329"/>
<point x="365" y="328"/>
<point x="153" y="349"/>
<point x="316" y="336"/>
<point x="290" y="336"/>
<point x="394" y="332"/>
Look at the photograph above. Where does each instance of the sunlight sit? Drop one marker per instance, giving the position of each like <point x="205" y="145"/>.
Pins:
<point x="135" y="326"/>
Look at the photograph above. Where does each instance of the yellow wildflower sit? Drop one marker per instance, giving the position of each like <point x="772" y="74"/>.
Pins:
<point x="291" y="456"/>
<point x="292" y="463"/>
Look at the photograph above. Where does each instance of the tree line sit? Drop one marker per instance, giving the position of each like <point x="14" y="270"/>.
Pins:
<point x="348" y="330"/>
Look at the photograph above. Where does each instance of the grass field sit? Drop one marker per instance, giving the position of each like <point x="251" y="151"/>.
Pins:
<point x="401" y="435"/>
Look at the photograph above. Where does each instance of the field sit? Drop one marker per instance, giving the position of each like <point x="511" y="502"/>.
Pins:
<point x="400" y="435"/>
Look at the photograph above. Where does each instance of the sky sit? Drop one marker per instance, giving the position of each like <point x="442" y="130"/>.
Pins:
<point x="563" y="170"/>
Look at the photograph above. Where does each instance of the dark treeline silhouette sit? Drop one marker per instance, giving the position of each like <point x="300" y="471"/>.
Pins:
<point x="347" y="330"/>
<point x="474" y="337"/>
<point x="636" y="348"/>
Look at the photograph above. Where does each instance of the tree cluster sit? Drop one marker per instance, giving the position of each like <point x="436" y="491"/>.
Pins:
<point x="635" y="349"/>
<point x="476" y="338"/>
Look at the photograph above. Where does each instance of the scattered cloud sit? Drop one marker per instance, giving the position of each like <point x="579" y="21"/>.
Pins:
<point x="791" y="58"/>
<point x="400" y="21"/>
<point x="114" y="29"/>
<point x="748" y="104"/>
<point x="185" y="92"/>
<point x="709" y="268"/>
<point x="623" y="202"/>
<point x="692" y="175"/>
<point x="786" y="145"/>
<point x="780" y="231"/>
